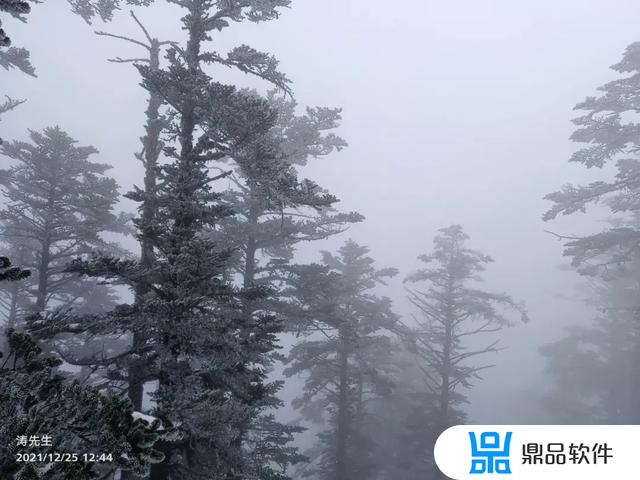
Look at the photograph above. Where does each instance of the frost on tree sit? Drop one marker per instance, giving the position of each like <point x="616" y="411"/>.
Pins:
<point x="155" y="124"/>
<point x="10" y="273"/>
<point x="17" y="9"/>
<point x="275" y="209"/>
<point x="610" y="136"/>
<point x="35" y="401"/>
<point x="345" y="356"/>
<point x="594" y="366"/>
<point x="609" y="133"/>
<point x="209" y="359"/>
<point x="451" y="312"/>
<point x="58" y="205"/>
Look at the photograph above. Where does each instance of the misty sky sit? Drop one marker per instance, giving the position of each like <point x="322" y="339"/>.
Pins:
<point x="455" y="112"/>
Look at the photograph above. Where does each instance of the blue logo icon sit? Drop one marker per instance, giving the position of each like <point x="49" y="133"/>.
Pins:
<point x="490" y="457"/>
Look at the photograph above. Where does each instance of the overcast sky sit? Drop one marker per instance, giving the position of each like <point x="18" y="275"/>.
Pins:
<point x="455" y="112"/>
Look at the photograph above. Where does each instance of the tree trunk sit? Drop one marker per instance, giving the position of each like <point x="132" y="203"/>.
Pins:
<point x="342" y="427"/>
<point x="11" y="317"/>
<point x="13" y="306"/>
<point x="445" y="388"/>
<point x="43" y="277"/>
<point x="446" y="380"/>
<point x="183" y="227"/>
<point x="137" y="374"/>
<point x="45" y="256"/>
<point x="358" y="453"/>
<point x="14" y="293"/>
<point x="251" y="246"/>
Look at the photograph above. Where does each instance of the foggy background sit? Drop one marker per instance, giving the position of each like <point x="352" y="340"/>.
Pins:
<point x="455" y="112"/>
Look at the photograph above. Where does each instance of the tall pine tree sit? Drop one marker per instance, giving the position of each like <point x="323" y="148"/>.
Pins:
<point x="452" y="312"/>
<point x="59" y="204"/>
<point x="275" y="209"/>
<point x="149" y="156"/>
<point x="345" y="356"/>
<point x="208" y="358"/>
<point x="610" y="139"/>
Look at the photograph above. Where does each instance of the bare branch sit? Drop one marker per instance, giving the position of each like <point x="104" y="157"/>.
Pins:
<point x="128" y="60"/>
<point x="144" y="30"/>
<point x="126" y="39"/>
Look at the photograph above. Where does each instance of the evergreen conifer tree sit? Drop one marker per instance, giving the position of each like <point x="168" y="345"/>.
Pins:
<point x="345" y="356"/>
<point x="452" y="312"/>
<point x="59" y="205"/>
<point x="210" y="360"/>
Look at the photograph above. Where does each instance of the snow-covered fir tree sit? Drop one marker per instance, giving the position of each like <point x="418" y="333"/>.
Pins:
<point x="149" y="155"/>
<point x="452" y="311"/>
<point x="10" y="56"/>
<point x="609" y="134"/>
<point x="208" y="358"/>
<point x="275" y="209"/>
<point x="59" y="204"/>
<point x="38" y="405"/>
<point x="345" y="356"/>
<point x="37" y="402"/>
<point x="611" y="137"/>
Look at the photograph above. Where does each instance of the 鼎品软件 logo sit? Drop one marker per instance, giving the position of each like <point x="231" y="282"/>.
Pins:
<point x="490" y="456"/>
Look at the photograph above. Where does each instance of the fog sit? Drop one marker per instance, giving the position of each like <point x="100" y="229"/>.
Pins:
<point x="454" y="112"/>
